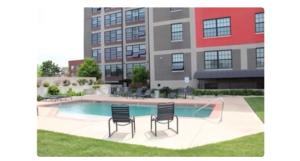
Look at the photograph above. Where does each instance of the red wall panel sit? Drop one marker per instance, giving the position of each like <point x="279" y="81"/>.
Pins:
<point x="242" y="26"/>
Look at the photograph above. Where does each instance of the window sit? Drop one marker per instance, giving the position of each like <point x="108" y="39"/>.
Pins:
<point x="176" y="32"/>
<point x="259" y="22"/>
<point x="96" y="22"/>
<point x="113" y="19"/>
<point x="113" y="36"/>
<point x="135" y="50"/>
<point x="96" y="54"/>
<point x="112" y="54"/>
<point x="108" y="9"/>
<point x="177" y="62"/>
<point x="260" y="57"/>
<point x="218" y="59"/>
<point x="96" y="10"/>
<point x="175" y="9"/>
<point x="113" y="70"/>
<point x="130" y="67"/>
<point x="96" y="38"/>
<point x="135" y="15"/>
<point x="135" y="33"/>
<point x="216" y="27"/>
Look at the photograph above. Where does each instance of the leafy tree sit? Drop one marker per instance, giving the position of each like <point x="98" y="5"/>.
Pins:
<point x="140" y="75"/>
<point x="89" y="68"/>
<point x="39" y="71"/>
<point x="49" y="69"/>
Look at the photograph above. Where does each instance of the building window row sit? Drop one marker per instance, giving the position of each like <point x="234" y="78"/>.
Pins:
<point x="109" y="9"/>
<point x="113" y="70"/>
<point x="130" y="67"/>
<point x="135" y="50"/>
<point x="113" y="36"/>
<point x="221" y="59"/>
<point x="113" y="54"/>
<point x="176" y="32"/>
<point x="135" y="33"/>
<point x="216" y="27"/>
<point x="96" y="22"/>
<point x="259" y="22"/>
<point x="96" y="38"/>
<point x="113" y="19"/>
<point x="96" y="54"/>
<point x="135" y="15"/>
<point x="260" y="56"/>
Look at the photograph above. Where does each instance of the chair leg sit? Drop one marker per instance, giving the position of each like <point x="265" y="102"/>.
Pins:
<point x="109" y="134"/>
<point x="132" y="129"/>
<point x="151" y="124"/>
<point x="168" y="124"/>
<point x="116" y="126"/>
<point x="134" y="126"/>
<point x="177" y="124"/>
<point x="155" y="129"/>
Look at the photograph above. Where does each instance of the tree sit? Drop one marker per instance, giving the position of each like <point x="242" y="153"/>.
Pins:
<point x="89" y="68"/>
<point x="39" y="71"/>
<point x="140" y="75"/>
<point x="49" y="69"/>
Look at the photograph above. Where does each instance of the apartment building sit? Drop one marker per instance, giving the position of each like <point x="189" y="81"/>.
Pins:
<point x="117" y="38"/>
<point x="209" y="48"/>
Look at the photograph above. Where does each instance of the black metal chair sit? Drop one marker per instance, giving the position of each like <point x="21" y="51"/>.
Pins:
<point x="121" y="117"/>
<point x="165" y="112"/>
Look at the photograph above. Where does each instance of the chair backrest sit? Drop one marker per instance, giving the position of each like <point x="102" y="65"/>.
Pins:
<point x="165" y="111"/>
<point x="148" y="92"/>
<point x="120" y="113"/>
<point x="139" y="91"/>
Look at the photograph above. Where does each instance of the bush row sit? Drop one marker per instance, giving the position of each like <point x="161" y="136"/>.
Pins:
<point x="216" y="92"/>
<point x="67" y="82"/>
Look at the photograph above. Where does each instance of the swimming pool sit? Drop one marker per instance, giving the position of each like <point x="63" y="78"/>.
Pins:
<point x="104" y="109"/>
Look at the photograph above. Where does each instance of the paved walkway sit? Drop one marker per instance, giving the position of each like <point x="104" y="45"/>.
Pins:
<point x="238" y="120"/>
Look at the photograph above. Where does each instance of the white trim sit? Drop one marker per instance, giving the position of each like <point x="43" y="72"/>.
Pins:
<point x="174" y="41"/>
<point x="177" y="71"/>
<point x="215" y="37"/>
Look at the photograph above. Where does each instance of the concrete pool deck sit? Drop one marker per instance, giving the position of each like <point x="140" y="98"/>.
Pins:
<point x="238" y="120"/>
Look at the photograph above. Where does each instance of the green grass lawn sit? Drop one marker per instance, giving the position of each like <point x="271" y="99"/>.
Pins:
<point x="57" y="144"/>
<point x="257" y="104"/>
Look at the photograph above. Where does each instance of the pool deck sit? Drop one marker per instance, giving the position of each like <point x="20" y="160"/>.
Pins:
<point x="238" y="120"/>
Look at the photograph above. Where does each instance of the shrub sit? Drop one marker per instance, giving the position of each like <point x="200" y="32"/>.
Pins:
<point x="96" y="86"/>
<point x="81" y="82"/>
<point x="53" y="90"/>
<point x="165" y="91"/>
<point x="66" y="82"/>
<point x="91" y="82"/>
<point x="74" y="84"/>
<point x="70" y="92"/>
<point x="46" y="84"/>
<point x="39" y="98"/>
<point x="234" y="92"/>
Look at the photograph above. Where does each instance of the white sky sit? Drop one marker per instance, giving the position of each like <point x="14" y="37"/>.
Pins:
<point x="60" y="34"/>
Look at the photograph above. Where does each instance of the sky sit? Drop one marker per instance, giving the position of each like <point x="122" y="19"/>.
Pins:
<point x="60" y="34"/>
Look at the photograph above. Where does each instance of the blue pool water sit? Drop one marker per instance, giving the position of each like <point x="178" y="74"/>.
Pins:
<point x="104" y="109"/>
